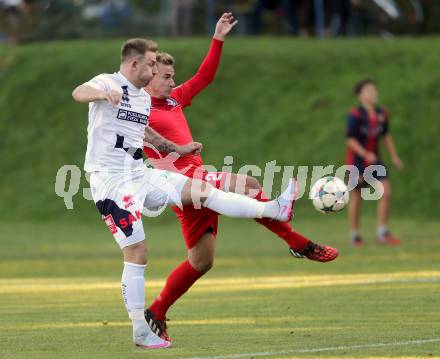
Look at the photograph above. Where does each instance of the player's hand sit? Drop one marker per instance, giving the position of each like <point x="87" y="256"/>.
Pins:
<point x="370" y="157"/>
<point x="113" y="97"/>
<point x="224" y="26"/>
<point x="397" y="163"/>
<point x="192" y="148"/>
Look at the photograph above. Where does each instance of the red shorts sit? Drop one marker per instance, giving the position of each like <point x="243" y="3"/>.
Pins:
<point x="196" y="222"/>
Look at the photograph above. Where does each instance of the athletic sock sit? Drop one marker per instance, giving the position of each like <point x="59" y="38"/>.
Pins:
<point x="282" y="229"/>
<point x="133" y="293"/>
<point x="355" y="234"/>
<point x="234" y="205"/>
<point x="178" y="282"/>
<point x="382" y="231"/>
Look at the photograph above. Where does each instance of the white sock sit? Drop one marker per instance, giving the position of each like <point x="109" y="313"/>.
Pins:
<point x="381" y="231"/>
<point x="133" y="293"/>
<point x="271" y="209"/>
<point x="235" y="205"/>
<point x="354" y="234"/>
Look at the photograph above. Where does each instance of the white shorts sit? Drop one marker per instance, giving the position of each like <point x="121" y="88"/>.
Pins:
<point x="121" y="198"/>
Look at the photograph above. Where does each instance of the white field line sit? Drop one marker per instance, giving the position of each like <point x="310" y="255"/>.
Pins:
<point x="319" y="350"/>
<point x="46" y="285"/>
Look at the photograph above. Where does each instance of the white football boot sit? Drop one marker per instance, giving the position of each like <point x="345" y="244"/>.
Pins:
<point x="145" y="338"/>
<point x="286" y="201"/>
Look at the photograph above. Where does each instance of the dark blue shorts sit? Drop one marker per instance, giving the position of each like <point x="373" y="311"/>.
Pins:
<point x="371" y="174"/>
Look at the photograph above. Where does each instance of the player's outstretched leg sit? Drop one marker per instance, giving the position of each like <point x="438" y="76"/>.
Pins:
<point x="234" y="205"/>
<point x="133" y="293"/>
<point x="299" y="246"/>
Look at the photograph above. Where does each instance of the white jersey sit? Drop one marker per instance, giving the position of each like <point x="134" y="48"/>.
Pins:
<point x="115" y="133"/>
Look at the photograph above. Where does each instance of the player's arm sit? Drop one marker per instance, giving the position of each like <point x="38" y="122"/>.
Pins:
<point x="207" y="70"/>
<point x="86" y="93"/>
<point x="389" y="143"/>
<point x="166" y="146"/>
<point x="100" y="88"/>
<point x="360" y="150"/>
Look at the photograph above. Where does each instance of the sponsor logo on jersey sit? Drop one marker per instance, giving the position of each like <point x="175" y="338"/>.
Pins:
<point x="132" y="116"/>
<point x="172" y="102"/>
<point x="129" y="220"/>
<point x="128" y="200"/>
<point x="125" y="97"/>
<point x="110" y="222"/>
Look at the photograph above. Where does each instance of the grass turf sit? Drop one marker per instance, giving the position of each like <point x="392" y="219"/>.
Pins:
<point x="60" y="293"/>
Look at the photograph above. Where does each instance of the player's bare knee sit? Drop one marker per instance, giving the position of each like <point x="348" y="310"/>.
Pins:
<point x="204" y="265"/>
<point x="136" y="253"/>
<point x="252" y="183"/>
<point x="195" y="192"/>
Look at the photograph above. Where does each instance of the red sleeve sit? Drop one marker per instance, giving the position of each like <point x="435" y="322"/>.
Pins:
<point x="204" y="76"/>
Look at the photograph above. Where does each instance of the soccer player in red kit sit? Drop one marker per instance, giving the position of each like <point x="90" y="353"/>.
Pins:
<point x="199" y="226"/>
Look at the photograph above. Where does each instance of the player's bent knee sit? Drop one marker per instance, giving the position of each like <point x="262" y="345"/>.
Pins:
<point x="135" y="253"/>
<point x="195" y="191"/>
<point x="252" y="183"/>
<point x="204" y="265"/>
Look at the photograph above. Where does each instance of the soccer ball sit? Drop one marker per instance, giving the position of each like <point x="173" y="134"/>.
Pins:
<point x="329" y="195"/>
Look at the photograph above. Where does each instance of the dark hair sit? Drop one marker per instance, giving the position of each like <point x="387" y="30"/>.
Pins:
<point x="136" y="47"/>
<point x="357" y="89"/>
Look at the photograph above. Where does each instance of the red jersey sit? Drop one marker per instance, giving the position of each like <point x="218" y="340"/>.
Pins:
<point x="168" y="119"/>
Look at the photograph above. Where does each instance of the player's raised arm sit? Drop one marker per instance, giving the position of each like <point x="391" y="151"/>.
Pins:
<point x="207" y="70"/>
<point x="165" y="146"/>
<point x="224" y="26"/>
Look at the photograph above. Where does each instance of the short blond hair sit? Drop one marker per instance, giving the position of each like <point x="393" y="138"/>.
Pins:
<point x="136" y="47"/>
<point x="165" y="59"/>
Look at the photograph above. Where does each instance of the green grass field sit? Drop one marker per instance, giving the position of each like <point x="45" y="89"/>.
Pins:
<point x="60" y="294"/>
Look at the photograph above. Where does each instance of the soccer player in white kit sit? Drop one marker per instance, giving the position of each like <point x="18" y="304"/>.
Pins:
<point x="123" y="187"/>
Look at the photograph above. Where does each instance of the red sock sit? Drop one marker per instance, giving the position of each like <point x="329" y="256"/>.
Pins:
<point x="178" y="282"/>
<point x="283" y="229"/>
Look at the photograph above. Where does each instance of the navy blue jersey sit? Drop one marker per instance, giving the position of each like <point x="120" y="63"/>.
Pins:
<point x="367" y="129"/>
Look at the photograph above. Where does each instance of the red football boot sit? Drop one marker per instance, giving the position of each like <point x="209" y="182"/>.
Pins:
<point x="388" y="240"/>
<point x="357" y="241"/>
<point x="159" y="327"/>
<point x="316" y="252"/>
